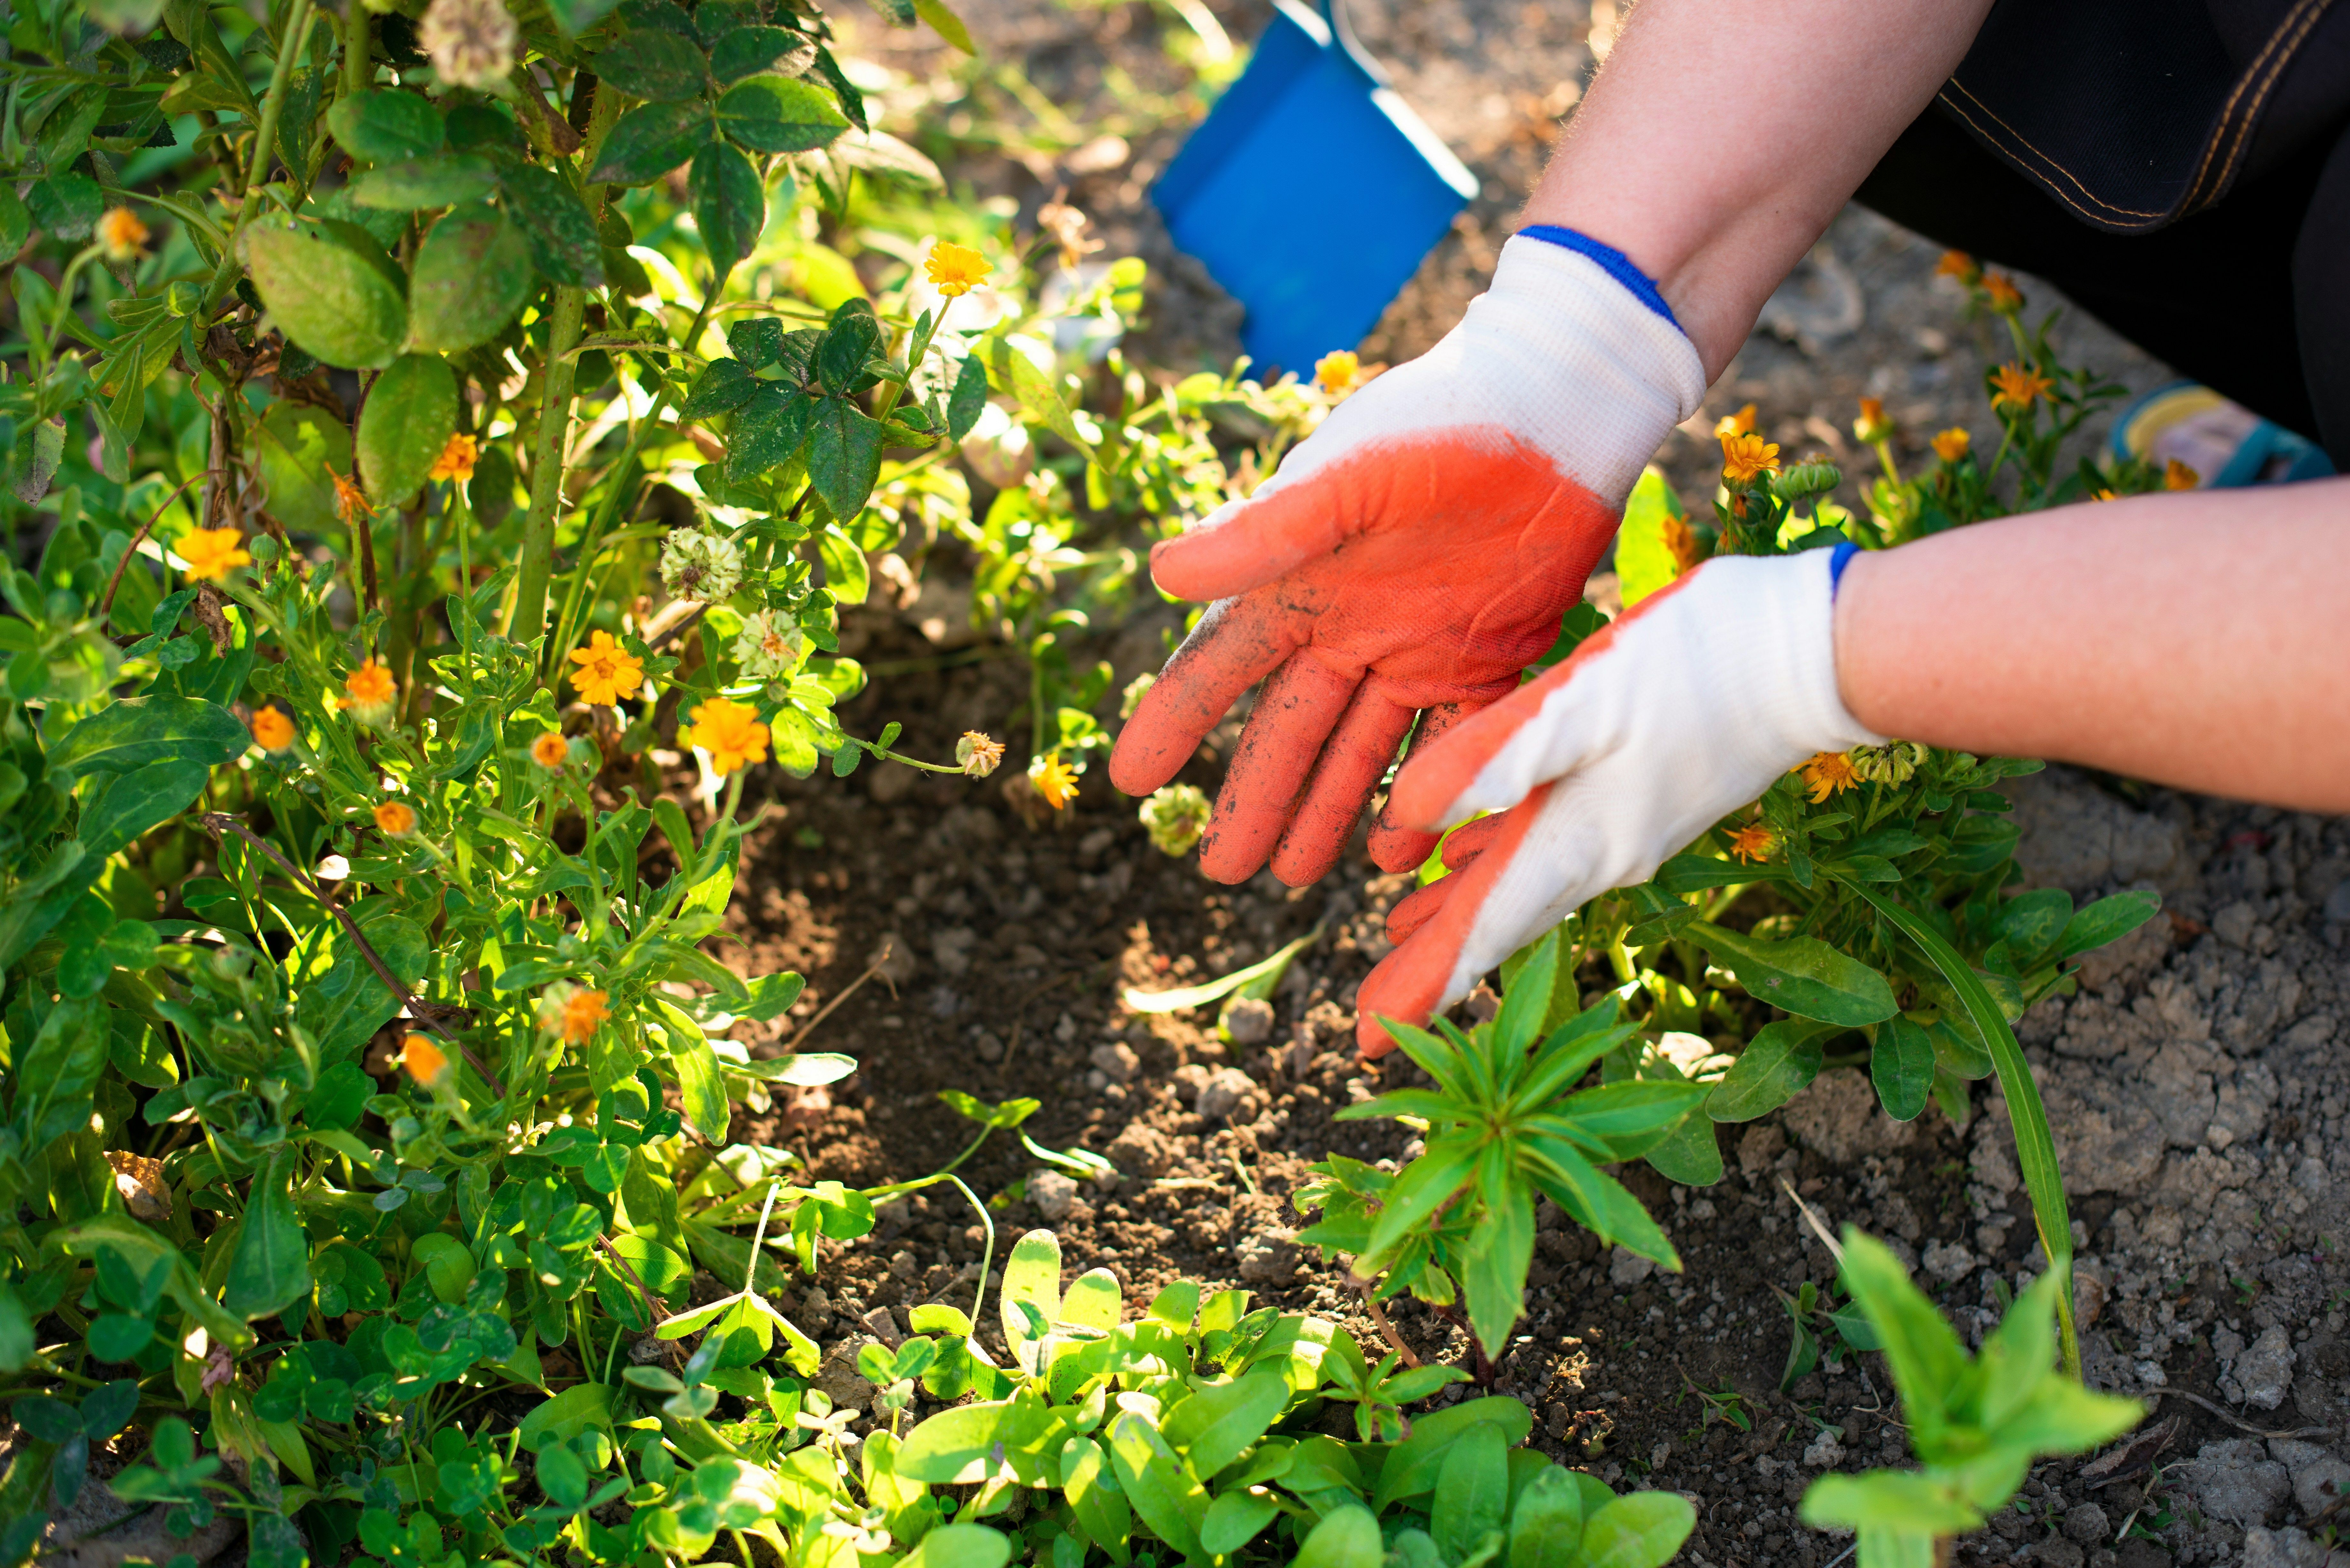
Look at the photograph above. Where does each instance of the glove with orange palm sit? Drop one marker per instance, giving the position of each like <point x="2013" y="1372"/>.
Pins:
<point x="1683" y="710"/>
<point x="1413" y="557"/>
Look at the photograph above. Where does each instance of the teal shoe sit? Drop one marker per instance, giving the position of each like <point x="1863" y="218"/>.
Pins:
<point x="2226" y="444"/>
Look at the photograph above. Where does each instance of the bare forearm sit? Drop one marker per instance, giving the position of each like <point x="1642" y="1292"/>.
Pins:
<point x="1720" y="140"/>
<point x="2200" y="640"/>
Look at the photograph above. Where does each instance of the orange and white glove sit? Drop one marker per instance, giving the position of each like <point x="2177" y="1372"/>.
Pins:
<point x="1412" y="557"/>
<point x="1684" y="709"/>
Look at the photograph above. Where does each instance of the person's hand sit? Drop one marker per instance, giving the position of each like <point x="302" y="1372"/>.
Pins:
<point x="1684" y="709"/>
<point x="1410" y="558"/>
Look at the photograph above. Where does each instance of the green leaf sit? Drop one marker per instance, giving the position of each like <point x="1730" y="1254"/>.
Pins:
<point x="1889" y="1500"/>
<point x="566" y="1416"/>
<point x="1213" y="1426"/>
<point x="1926" y="1359"/>
<point x="448" y="1267"/>
<point x="1546" y="1524"/>
<point x="444" y="179"/>
<point x="1032" y="388"/>
<point x="2107" y="921"/>
<point x="751" y="51"/>
<point x="945" y="23"/>
<point x="383" y="125"/>
<point x="140" y="731"/>
<point x="1644" y="560"/>
<point x="844" y="455"/>
<point x="127" y="807"/>
<point x="729" y="206"/>
<point x="1234" y="1519"/>
<point x="770" y="431"/>
<point x="655" y="65"/>
<point x="650" y="141"/>
<point x="960" y="1546"/>
<point x="555" y="224"/>
<point x="270" y="1269"/>
<point x="471" y="275"/>
<point x="295" y="446"/>
<point x="1347" y="1537"/>
<point x="410" y="414"/>
<point x="1492" y="1271"/>
<point x="1776" y="1066"/>
<point x="334" y="302"/>
<point x="1155" y="1481"/>
<point x="1800" y="974"/>
<point x="1198" y="995"/>
<point x="846" y="575"/>
<point x="1094" y="1300"/>
<point x="1642" y="1531"/>
<point x="344" y="1007"/>
<point x="779" y="114"/>
<point x="1413" y="1465"/>
<point x="969" y="397"/>
<point x="1691" y="1156"/>
<point x="1473" y="1492"/>
<point x="721" y="388"/>
<point x="700" y="1086"/>
<point x="1901" y="1065"/>
<point x="1031" y="1274"/>
<point x="2030" y="922"/>
<point x="15" y="223"/>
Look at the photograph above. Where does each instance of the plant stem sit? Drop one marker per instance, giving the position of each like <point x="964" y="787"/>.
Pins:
<point x="297" y="38"/>
<point x="527" y="620"/>
<point x="358" y="61"/>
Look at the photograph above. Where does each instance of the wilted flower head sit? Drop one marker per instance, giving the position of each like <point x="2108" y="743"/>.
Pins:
<point x="607" y="671"/>
<point x="1745" y="456"/>
<point x="1067" y="225"/>
<point x="212" y="551"/>
<point x="120" y="235"/>
<point x="2005" y="297"/>
<point x="1960" y="265"/>
<point x="770" y="646"/>
<point x="699" y="565"/>
<point x="955" y="270"/>
<point x="1951" y="444"/>
<point x="367" y="694"/>
<point x="472" y="42"/>
<point x="1753" y="842"/>
<point x="457" y="459"/>
<point x="350" y="501"/>
<point x="1054" y="779"/>
<point x="1893" y="763"/>
<point x="1688" y="548"/>
<point x="424" y="1062"/>
<point x="273" y="728"/>
<point x="978" y="753"/>
<point x="1175" y="817"/>
<point x="728" y="731"/>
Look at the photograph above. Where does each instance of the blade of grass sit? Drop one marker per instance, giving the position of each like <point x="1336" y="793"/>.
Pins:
<point x="2035" y="1146"/>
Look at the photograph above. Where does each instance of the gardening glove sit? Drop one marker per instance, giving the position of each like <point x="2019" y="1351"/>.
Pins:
<point x="1683" y="710"/>
<point x="1412" y="557"/>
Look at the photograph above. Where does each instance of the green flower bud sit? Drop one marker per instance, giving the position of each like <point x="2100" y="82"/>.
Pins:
<point x="1176" y="816"/>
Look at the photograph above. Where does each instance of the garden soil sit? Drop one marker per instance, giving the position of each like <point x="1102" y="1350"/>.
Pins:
<point x="2198" y="1082"/>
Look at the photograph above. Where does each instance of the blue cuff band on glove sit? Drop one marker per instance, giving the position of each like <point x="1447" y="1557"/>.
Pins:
<point x="1838" y="559"/>
<point x="1619" y="266"/>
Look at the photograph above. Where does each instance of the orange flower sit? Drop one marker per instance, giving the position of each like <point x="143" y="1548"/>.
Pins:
<point x="1745" y="456"/>
<point x="425" y="1062"/>
<point x="1682" y="540"/>
<point x="121" y="236"/>
<point x="2005" y="297"/>
<point x="273" y="730"/>
<point x="1337" y="371"/>
<point x="1739" y="423"/>
<point x="1827" y="774"/>
<point x="367" y="692"/>
<point x="607" y="671"/>
<point x="212" y="551"/>
<point x="350" y="501"/>
<point x="1054" y="780"/>
<point x="1753" y="842"/>
<point x="456" y="460"/>
<point x="1872" y="426"/>
<point x="2018" y="386"/>
<point x="1958" y="264"/>
<point x="1951" y="444"/>
<point x="583" y="1013"/>
<point x="550" y="751"/>
<point x="2177" y="475"/>
<point x="395" y="818"/>
<point x="728" y="733"/>
<point x="955" y="270"/>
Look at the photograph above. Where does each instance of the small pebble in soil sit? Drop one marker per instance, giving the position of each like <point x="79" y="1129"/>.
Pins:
<point x="1053" y="1194"/>
<point x="1248" y="1020"/>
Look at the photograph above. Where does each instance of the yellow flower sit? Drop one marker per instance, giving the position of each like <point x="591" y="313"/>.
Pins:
<point x="550" y="751"/>
<point x="1951" y="444"/>
<point x="350" y="501"/>
<point x="425" y="1062"/>
<point x="1337" y="371"/>
<point x="394" y="818"/>
<point x="456" y="460"/>
<point x="121" y="236"/>
<point x="2102" y="494"/>
<point x="1682" y="540"/>
<point x="979" y="753"/>
<point x="1739" y="423"/>
<point x="1872" y="426"/>
<point x="211" y="551"/>
<point x="1054" y="780"/>
<point x="955" y="270"/>
<point x="607" y="671"/>
<point x="273" y="730"/>
<point x="367" y="692"/>
<point x="2005" y="297"/>
<point x="1827" y="774"/>
<point x="1958" y="264"/>
<point x="1745" y="455"/>
<point x="728" y="732"/>
<point x="2177" y="475"/>
<point x="2017" y="386"/>
<point x="1753" y="842"/>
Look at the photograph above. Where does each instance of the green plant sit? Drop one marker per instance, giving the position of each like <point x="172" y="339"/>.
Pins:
<point x="1975" y="1423"/>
